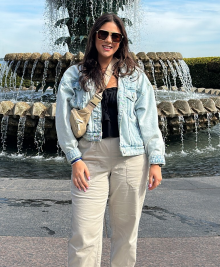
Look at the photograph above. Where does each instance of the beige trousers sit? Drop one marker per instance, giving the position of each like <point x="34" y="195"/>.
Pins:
<point x="123" y="181"/>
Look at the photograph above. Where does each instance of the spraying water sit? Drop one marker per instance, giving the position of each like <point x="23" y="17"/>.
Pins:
<point x="196" y="118"/>
<point x="15" y="75"/>
<point x="219" y="129"/>
<point x="39" y="139"/>
<point x="46" y="64"/>
<point x="183" y="78"/>
<point x="181" y="129"/>
<point x="58" y="72"/>
<point x="32" y="74"/>
<point x="20" y="134"/>
<point x="59" y="150"/>
<point x="209" y="116"/>
<point x="186" y="74"/>
<point x="153" y="75"/>
<point x="174" y="75"/>
<point x="7" y="72"/>
<point x="4" y="128"/>
<point x="164" y="128"/>
<point x="22" y="78"/>
<point x="164" y="69"/>
<point x="67" y="23"/>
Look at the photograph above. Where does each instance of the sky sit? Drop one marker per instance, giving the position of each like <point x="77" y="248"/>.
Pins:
<point x="189" y="27"/>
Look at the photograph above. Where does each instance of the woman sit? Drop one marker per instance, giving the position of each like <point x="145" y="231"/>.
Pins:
<point x="121" y="150"/>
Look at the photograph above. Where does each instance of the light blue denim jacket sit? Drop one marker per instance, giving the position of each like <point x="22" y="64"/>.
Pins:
<point x="137" y="116"/>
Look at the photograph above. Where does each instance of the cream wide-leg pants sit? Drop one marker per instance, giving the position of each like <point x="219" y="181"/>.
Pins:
<point x="123" y="181"/>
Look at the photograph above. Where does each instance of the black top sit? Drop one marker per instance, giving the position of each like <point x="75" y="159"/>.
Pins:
<point x="110" y="113"/>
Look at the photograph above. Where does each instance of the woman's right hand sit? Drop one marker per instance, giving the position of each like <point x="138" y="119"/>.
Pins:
<point x="79" y="172"/>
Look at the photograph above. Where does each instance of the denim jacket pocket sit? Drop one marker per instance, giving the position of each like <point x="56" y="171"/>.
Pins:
<point x="76" y="85"/>
<point x="131" y="97"/>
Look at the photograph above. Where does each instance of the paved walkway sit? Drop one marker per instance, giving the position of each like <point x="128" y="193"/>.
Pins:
<point x="180" y="224"/>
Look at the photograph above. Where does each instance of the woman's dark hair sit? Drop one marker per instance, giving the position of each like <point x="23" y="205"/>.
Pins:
<point x="90" y="68"/>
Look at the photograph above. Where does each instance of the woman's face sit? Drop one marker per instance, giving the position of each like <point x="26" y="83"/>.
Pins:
<point x="106" y="48"/>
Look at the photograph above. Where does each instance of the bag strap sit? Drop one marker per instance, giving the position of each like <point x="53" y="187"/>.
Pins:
<point x="97" y="98"/>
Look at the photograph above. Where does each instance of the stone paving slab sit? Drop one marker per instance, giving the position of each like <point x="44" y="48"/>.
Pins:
<point x="152" y="252"/>
<point x="180" y="223"/>
<point x="180" y="207"/>
<point x="18" y="184"/>
<point x="187" y="183"/>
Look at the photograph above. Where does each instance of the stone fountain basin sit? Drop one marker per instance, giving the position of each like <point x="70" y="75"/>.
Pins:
<point x="68" y="59"/>
<point x="170" y="111"/>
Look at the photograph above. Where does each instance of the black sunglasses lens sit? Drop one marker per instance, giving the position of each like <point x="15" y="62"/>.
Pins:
<point x="116" y="37"/>
<point x="102" y="34"/>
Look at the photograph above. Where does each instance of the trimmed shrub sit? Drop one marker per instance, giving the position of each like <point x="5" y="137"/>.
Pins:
<point x="205" y="71"/>
<point x="26" y="83"/>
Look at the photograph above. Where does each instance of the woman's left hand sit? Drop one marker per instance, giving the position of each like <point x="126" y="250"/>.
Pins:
<point x="155" y="176"/>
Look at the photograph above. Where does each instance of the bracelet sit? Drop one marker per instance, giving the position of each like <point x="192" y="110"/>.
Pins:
<point x="75" y="160"/>
<point x="160" y="165"/>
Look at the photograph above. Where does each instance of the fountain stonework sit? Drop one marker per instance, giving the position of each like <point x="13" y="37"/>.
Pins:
<point x="159" y="67"/>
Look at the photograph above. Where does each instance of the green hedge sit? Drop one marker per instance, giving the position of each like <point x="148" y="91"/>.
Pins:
<point x="205" y="71"/>
<point x="26" y="83"/>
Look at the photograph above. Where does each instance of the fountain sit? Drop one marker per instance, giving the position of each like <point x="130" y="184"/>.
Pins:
<point x="69" y="21"/>
<point x="30" y="113"/>
<point x="50" y="68"/>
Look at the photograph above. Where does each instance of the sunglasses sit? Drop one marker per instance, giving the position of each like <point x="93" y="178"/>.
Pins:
<point x="116" y="37"/>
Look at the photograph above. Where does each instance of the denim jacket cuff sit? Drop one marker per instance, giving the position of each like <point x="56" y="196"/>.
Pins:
<point x="157" y="159"/>
<point x="73" y="154"/>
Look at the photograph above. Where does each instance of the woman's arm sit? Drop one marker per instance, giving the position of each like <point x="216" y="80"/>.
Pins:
<point x="146" y="111"/>
<point x="147" y="116"/>
<point x="66" y="139"/>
